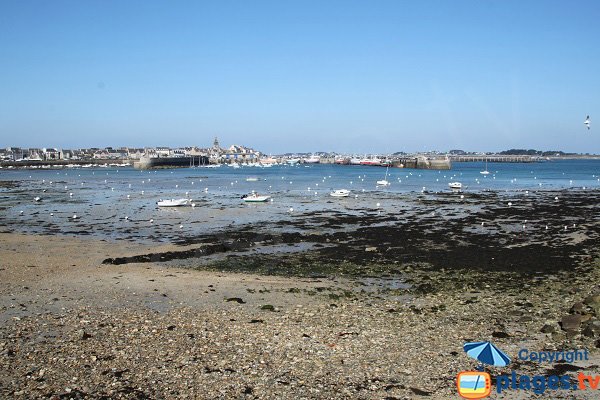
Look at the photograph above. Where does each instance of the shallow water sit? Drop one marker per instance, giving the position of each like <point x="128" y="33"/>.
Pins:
<point x="101" y="198"/>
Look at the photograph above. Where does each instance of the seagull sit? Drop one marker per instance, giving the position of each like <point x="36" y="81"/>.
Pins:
<point x="587" y="122"/>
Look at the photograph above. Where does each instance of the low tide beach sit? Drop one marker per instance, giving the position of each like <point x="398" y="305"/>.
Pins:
<point x="369" y="297"/>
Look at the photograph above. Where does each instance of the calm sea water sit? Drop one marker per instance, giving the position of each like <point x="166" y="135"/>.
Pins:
<point x="102" y="198"/>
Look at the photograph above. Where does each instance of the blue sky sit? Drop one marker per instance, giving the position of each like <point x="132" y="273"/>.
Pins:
<point x="348" y="76"/>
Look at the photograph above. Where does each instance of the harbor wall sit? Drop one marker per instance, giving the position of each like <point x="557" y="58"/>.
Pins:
<point x="170" y="162"/>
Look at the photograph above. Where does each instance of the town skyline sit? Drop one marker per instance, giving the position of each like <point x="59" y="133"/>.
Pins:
<point x="348" y="76"/>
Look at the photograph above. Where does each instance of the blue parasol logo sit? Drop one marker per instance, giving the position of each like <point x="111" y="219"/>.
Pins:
<point x="486" y="353"/>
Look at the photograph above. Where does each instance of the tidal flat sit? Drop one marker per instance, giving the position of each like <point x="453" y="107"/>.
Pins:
<point x="367" y="305"/>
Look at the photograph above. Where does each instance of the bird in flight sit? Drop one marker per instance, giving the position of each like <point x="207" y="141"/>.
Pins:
<point x="587" y="122"/>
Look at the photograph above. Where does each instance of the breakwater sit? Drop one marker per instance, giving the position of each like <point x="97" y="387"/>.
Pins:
<point x="170" y="162"/>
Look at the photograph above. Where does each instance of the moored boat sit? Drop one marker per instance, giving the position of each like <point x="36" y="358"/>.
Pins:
<point x="340" y="193"/>
<point x="173" y="203"/>
<point x="255" y="198"/>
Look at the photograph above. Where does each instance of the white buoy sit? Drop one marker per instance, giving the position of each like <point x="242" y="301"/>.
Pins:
<point x="70" y="194"/>
<point x="20" y="212"/>
<point x="193" y="205"/>
<point x="126" y="218"/>
<point x="509" y="204"/>
<point x="52" y="214"/>
<point x="37" y="198"/>
<point x="180" y="226"/>
<point x="74" y="216"/>
<point x="291" y="210"/>
<point x="128" y="196"/>
<point x="151" y="220"/>
<point x="378" y="204"/>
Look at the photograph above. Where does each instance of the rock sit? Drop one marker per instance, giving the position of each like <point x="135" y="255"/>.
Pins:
<point x="570" y="322"/>
<point x="500" y="334"/>
<point x="236" y="299"/>
<point x="592" y="329"/>
<point x="267" y="307"/>
<point x="577" y="308"/>
<point x="83" y="335"/>
<point x="549" y="327"/>
<point x="592" y="300"/>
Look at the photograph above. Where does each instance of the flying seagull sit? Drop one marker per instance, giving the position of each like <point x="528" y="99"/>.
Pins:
<point x="587" y="122"/>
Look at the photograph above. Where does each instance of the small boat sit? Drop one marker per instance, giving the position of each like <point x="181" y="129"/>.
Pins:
<point x="384" y="181"/>
<point x="312" y="160"/>
<point x="173" y="203"/>
<point x="37" y="198"/>
<point x="252" y="179"/>
<point x="340" y="193"/>
<point x="255" y="198"/>
<point x="455" y="185"/>
<point x="485" y="172"/>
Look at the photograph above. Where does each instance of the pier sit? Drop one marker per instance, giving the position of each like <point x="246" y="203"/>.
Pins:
<point x="494" y="158"/>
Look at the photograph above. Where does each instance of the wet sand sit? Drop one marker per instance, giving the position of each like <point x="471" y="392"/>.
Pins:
<point x="328" y="305"/>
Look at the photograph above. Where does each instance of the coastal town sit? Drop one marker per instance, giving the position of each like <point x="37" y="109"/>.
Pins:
<point x="244" y="155"/>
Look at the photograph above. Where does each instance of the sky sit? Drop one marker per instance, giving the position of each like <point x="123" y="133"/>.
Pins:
<point x="301" y="76"/>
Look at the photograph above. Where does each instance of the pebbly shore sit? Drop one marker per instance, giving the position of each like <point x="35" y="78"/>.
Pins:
<point x="327" y="306"/>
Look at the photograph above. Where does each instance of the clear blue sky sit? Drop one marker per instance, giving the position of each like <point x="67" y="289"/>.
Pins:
<point x="351" y="76"/>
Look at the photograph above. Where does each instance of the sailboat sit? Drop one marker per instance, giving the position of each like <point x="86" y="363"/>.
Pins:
<point x="485" y="172"/>
<point x="384" y="182"/>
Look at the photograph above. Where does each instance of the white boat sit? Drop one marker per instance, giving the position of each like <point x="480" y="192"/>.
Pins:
<point x="485" y="172"/>
<point x="340" y="193"/>
<point x="255" y="198"/>
<point x="252" y="179"/>
<point x="384" y="182"/>
<point x="173" y="203"/>
<point x="455" y="185"/>
<point x="312" y="160"/>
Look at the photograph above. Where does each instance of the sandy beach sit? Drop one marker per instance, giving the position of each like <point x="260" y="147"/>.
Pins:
<point x="87" y="318"/>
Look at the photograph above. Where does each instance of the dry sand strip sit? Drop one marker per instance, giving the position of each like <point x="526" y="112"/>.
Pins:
<point x="75" y="328"/>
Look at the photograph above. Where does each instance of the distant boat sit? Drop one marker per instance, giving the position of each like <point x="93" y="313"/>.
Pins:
<point x="370" y="161"/>
<point x="342" y="161"/>
<point x="340" y="193"/>
<point x="255" y="198"/>
<point x="252" y="179"/>
<point x="455" y="185"/>
<point x="384" y="182"/>
<point x="313" y="160"/>
<point x="173" y="203"/>
<point x="485" y="172"/>
<point x="355" y="161"/>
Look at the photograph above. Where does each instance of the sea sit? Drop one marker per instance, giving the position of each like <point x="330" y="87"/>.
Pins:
<point x="119" y="203"/>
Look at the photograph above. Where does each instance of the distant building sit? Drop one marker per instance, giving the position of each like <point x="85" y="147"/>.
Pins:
<point x="51" y="154"/>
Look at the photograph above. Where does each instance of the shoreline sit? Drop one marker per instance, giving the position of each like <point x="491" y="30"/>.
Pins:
<point x="73" y="326"/>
